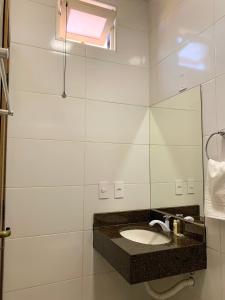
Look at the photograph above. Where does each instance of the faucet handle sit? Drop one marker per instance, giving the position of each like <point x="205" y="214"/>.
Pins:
<point x="179" y="215"/>
<point x="166" y="217"/>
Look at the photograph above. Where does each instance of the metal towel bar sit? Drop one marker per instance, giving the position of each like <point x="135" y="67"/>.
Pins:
<point x="221" y="133"/>
<point x="4" y="54"/>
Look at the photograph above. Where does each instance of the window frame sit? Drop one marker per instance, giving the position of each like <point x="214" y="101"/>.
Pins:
<point x="108" y="14"/>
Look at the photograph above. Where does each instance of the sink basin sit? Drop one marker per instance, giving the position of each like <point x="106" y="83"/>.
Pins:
<point x="145" y="237"/>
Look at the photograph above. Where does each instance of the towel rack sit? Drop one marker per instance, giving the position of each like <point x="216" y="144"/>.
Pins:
<point x="221" y="133"/>
<point x="4" y="54"/>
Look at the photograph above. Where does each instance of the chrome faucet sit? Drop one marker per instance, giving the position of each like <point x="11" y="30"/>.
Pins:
<point x="164" y="225"/>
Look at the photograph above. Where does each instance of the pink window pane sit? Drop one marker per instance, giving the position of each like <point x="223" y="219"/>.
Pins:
<point x="85" y="24"/>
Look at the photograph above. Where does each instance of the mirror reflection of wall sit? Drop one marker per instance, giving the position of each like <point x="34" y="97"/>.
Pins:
<point x="176" y="151"/>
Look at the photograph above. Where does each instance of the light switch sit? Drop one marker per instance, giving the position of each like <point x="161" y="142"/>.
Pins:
<point x="119" y="190"/>
<point x="190" y="186"/>
<point x="179" y="187"/>
<point x="103" y="190"/>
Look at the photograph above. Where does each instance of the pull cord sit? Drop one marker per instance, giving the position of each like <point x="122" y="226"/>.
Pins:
<point x="64" y="95"/>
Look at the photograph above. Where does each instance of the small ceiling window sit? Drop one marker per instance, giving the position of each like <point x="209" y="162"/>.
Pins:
<point x="88" y="22"/>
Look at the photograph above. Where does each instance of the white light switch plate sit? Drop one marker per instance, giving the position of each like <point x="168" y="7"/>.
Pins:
<point x="103" y="190"/>
<point x="119" y="190"/>
<point x="179" y="187"/>
<point x="190" y="186"/>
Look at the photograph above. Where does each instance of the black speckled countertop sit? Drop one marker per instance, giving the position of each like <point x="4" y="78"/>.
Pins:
<point x="139" y="262"/>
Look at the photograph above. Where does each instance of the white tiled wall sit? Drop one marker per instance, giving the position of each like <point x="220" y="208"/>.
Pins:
<point x="187" y="49"/>
<point x="59" y="149"/>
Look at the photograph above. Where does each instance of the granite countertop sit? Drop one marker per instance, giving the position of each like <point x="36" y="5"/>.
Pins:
<point x="138" y="262"/>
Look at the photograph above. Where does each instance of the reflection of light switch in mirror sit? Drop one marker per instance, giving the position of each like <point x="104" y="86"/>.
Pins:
<point x="179" y="187"/>
<point x="190" y="186"/>
<point x="119" y="190"/>
<point x="103" y="190"/>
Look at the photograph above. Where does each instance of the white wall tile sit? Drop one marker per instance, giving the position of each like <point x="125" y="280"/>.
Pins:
<point x="70" y="290"/>
<point x="109" y="122"/>
<point x="201" y="68"/>
<point x="76" y="71"/>
<point x="94" y="263"/>
<point x="183" y="24"/>
<point x="208" y="283"/>
<point x="153" y="85"/>
<point x="220" y="90"/>
<point x="132" y="14"/>
<point x="42" y="116"/>
<point x="220" y="105"/>
<point x="190" y="100"/>
<point x="117" y="83"/>
<point x="170" y="126"/>
<point x="47" y="75"/>
<point x="181" y="64"/>
<point x="209" y="106"/>
<point x="219" y="9"/>
<point x="169" y="163"/>
<point x="222" y="224"/>
<point x="166" y="283"/>
<point x="35" y="28"/>
<point x="154" y="46"/>
<point x="220" y="46"/>
<point x="112" y="286"/>
<point x="159" y="42"/>
<point x="165" y="81"/>
<point x="163" y="195"/>
<point x="213" y="233"/>
<point x="131" y="48"/>
<point x="38" y="27"/>
<point x="41" y="260"/>
<point x="159" y="10"/>
<point x="223" y="276"/>
<point x="44" y="163"/>
<point x="112" y="162"/>
<point x="26" y="76"/>
<point x="45" y="2"/>
<point x="41" y="211"/>
<point x="137" y="196"/>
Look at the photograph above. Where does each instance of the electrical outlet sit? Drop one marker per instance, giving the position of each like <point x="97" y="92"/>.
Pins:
<point x="190" y="186"/>
<point x="119" y="190"/>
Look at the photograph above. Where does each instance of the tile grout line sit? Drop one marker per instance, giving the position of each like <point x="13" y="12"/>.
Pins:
<point x="76" y="98"/>
<point x="141" y="67"/>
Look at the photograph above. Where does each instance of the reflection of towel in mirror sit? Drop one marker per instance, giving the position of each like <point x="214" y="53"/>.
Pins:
<point x="215" y="190"/>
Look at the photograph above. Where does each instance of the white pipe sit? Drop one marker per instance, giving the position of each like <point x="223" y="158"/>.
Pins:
<point x="170" y="292"/>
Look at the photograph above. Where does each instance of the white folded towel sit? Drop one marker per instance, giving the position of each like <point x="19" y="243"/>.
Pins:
<point x="215" y="190"/>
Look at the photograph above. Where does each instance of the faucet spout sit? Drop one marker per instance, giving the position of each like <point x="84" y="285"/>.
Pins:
<point x="163" y="225"/>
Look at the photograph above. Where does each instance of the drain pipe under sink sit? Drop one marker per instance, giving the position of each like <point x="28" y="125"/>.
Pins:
<point x="190" y="282"/>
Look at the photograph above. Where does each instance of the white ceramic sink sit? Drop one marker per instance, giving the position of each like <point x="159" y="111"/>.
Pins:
<point x="145" y="237"/>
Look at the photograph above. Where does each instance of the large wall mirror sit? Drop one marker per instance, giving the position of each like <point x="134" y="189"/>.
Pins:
<point x="176" y="152"/>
